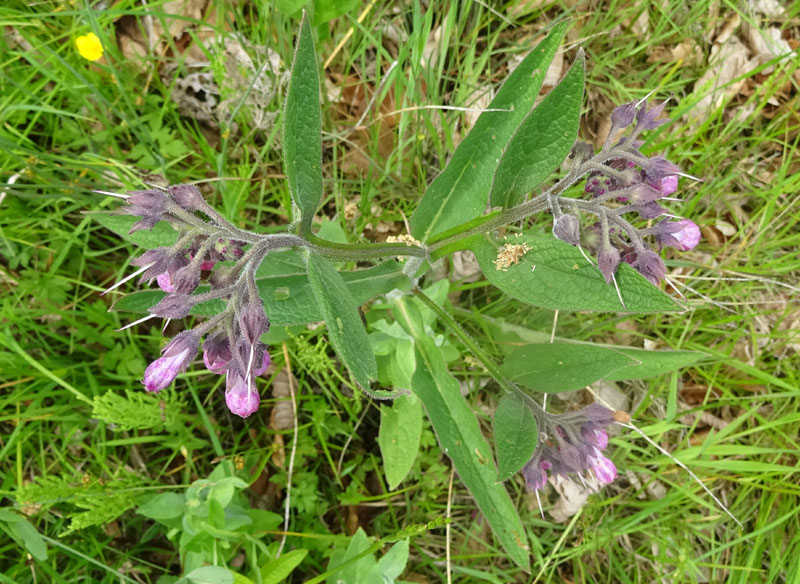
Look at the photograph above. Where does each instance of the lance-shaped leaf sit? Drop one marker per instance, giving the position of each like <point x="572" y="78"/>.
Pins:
<point x="398" y="437"/>
<point x="288" y="300"/>
<point x="346" y="330"/>
<point x="516" y="435"/>
<point x="302" y="130"/>
<point x="460" y="435"/>
<point x="553" y="274"/>
<point x="562" y="366"/>
<point x="460" y="192"/>
<point x="542" y="141"/>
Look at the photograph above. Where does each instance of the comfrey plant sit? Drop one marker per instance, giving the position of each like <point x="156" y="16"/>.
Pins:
<point x="611" y="203"/>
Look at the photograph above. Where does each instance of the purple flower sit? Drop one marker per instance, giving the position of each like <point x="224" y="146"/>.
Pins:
<point x="217" y="353"/>
<point x="173" y="306"/>
<point x="648" y="120"/>
<point x="186" y="279"/>
<point x="659" y="167"/>
<point x="175" y="358"/>
<point x="566" y="228"/>
<point x="607" y="261"/>
<point x="149" y="205"/>
<point x="241" y="396"/>
<point x="668" y="185"/>
<point x="623" y="115"/>
<point x="535" y="474"/>
<point x="187" y="196"/>
<point x="650" y="210"/>
<point x="602" y="467"/>
<point x="572" y="443"/>
<point x="650" y="265"/>
<point x="683" y="235"/>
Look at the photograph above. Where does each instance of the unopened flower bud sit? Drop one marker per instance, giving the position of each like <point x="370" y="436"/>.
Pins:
<point x="623" y="115"/>
<point x="253" y="322"/>
<point x="186" y="279"/>
<point x="607" y="261"/>
<point x="187" y="196"/>
<point x="566" y="228"/>
<point x="173" y="306"/>
<point x="650" y="265"/>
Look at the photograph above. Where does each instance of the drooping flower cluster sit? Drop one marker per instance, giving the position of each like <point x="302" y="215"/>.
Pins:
<point x="622" y="180"/>
<point x="232" y="344"/>
<point x="572" y="443"/>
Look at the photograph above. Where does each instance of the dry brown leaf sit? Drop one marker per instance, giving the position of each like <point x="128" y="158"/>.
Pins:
<point x="728" y="62"/>
<point x="688" y="51"/>
<point x="769" y="8"/>
<point x="465" y="267"/>
<point x="571" y="496"/>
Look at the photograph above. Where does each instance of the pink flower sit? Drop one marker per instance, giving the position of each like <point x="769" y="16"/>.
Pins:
<point x="176" y="356"/>
<point x="165" y="282"/>
<point x="603" y="468"/>
<point x="242" y="397"/>
<point x="683" y="235"/>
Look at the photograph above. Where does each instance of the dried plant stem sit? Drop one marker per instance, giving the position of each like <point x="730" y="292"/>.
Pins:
<point x="292" y="453"/>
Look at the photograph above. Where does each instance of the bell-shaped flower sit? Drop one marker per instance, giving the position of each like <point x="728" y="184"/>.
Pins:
<point x="175" y="358"/>
<point x="241" y="395"/>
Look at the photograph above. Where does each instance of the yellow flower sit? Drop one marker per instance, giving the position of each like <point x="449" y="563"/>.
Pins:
<point x="89" y="47"/>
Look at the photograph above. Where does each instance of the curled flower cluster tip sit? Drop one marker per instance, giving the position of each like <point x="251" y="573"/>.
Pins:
<point x="572" y="443"/>
<point x="232" y="345"/>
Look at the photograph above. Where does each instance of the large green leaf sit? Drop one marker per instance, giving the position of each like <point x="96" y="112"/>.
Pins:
<point x="346" y="330"/>
<point x="460" y="435"/>
<point x="562" y="366"/>
<point x="288" y="300"/>
<point x="302" y="130"/>
<point x="648" y="364"/>
<point x="542" y="141"/>
<point x="555" y="275"/>
<point x="161" y="235"/>
<point x="460" y="192"/>
<point x="398" y="437"/>
<point x="516" y="435"/>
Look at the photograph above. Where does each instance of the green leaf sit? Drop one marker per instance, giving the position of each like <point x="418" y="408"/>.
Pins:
<point x="161" y="235"/>
<point x="288" y="300"/>
<point x="543" y="140"/>
<point x="562" y="366"/>
<point x="355" y="572"/>
<point x="163" y="506"/>
<point x="460" y="435"/>
<point x="346" y="330"/>
<point x="327" y="10"/>
<point x="210" y="575"/>
<point x="393" y="563"/>
<point x="398" y="437"/>
<point x="460" y="192"/>
<point x="289" y="6"/>
<point x="23" y="531"/>
<point x="555" y="275"/>
<point x="302" y="130"/>
<point x="516" y="435"/>
<point x="650" y="364"/>
<point x="279" y="568"/>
